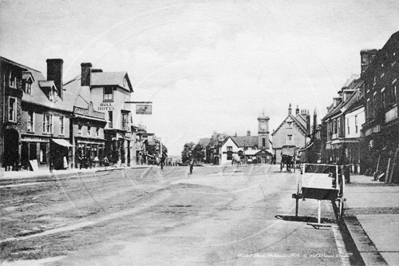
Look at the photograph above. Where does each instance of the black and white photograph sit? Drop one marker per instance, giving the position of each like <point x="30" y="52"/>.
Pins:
<point x="199" y="132"/>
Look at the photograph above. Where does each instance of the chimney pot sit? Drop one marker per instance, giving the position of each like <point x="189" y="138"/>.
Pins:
<point x="85" y="75"/>
<point x="55" y="73"/>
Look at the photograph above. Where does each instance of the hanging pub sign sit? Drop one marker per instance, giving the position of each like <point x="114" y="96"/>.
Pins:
<point x="144" y="109"/>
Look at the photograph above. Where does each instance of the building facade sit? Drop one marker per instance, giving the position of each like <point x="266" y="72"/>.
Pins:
<point x="292" y="134"/>
<point x="37" y="129"/>
<point x="343" y="123"/>
<point x="11" y="77"/>
<point x="380" y="140"/>
<point x="107" y="129"/>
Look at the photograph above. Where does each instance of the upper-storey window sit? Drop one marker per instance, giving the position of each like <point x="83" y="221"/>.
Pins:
<point x="31" y="121"/>
<point x="62" y="125"/>
<point x="28" y="87"/>
<point x="12" y="109"/>
<point x="289" y="139"/>
<point x="47" y="123"/>
<point x="125" y="120"/>
<point x="12" y="81"/>
<point x="108" y="94"/>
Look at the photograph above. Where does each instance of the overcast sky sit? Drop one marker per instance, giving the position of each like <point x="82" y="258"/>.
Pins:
<point x="206" y="65"/>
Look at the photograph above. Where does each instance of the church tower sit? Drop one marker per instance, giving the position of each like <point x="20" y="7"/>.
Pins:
<point x="263" y="132"/>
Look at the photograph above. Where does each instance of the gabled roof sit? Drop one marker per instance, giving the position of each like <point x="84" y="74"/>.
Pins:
<point x="346" y="105"/>
<point x="46" y="84"/>
<point x="111" y="78"/>
<point x="296" y="121"/>
<point x="246" y="141"/>
<point x="37" y="95"/>
<point x="227" y="138"/>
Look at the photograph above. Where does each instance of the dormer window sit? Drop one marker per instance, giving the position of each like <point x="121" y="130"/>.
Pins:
<point x="28" y="87"/>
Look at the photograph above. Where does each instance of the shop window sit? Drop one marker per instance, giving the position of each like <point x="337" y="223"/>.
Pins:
<point x="108" y="94"/>
<point x="43" y="152"/>
<point x="32" y="151"/>
<point x="30" y="122"/>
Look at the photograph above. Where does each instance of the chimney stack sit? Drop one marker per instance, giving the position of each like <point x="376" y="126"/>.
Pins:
<point x="289" y="109"/>
<point x="85" y="75"/>
<point x="248" y="133"/>
<point x="366" y="57"/>
<point x="297" y="110"/>
<point x="55" y="72"/>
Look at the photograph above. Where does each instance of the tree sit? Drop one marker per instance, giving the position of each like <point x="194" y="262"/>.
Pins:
<point x="199" y="153"/>
<point x="187" y="152"/>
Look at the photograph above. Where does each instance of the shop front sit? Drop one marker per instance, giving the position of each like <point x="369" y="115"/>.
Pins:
<point x="89" y="153"/>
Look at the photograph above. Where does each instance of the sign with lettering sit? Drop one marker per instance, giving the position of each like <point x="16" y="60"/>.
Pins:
<point x="88" y="112"/>
<point x="144" y="109"/>
<point x="106" y="107"/>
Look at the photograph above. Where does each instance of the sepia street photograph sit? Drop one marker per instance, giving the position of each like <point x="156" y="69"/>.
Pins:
<point x="199" y="132"/>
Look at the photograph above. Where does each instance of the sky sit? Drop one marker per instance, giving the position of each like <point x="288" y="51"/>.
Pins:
<point x="206" y="65"/>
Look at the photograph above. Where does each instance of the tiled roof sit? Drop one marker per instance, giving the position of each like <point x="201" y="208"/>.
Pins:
<point x="37" y="95"/>
<point x="354" y="85"/>
<point x="247" y="141"/>
<point x="72" y="93"/>
<point x="110" y="78"/>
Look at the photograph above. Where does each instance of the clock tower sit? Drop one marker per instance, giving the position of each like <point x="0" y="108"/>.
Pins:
<point x="263" y="132"/>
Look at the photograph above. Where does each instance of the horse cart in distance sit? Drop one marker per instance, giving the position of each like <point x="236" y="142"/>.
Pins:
<point x="288" y="158"/>
<point x="321" y="182"/>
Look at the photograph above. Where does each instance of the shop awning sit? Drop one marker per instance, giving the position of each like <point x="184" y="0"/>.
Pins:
<point x="62" y="142"/>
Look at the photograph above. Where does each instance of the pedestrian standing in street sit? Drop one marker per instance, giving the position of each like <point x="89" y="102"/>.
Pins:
<point x="106" y="162"/>
<point x="163" y="158"/>
<point x="191" y="165"/>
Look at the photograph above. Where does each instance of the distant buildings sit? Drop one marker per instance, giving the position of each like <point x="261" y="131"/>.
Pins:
<point x="292" y="134"/>
<point x="221" y="148"/>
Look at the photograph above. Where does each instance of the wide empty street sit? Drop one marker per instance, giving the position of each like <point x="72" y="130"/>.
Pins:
<point x="232" y="215"/>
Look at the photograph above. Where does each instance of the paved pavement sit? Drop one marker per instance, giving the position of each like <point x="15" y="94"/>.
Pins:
<point x="372" y="219"/>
